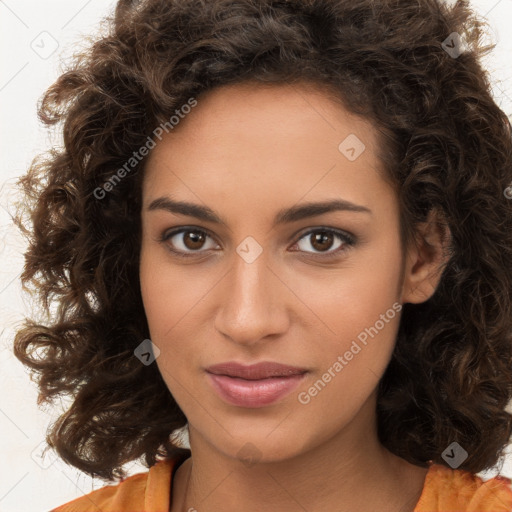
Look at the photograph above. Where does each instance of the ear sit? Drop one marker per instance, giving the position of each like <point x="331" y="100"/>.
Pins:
<point x="425" y="260"/>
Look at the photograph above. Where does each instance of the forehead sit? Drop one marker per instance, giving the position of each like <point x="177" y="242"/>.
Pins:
<point x="267" y="141"/>
<point x="279" y="110"/>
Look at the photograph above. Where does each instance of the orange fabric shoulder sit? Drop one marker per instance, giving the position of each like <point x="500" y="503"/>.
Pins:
<point x="143" y="492"/>
<point x="455" y="490"/>
<point x="445" y="490"/>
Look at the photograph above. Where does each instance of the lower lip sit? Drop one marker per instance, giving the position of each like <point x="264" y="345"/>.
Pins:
<point x="253" y="393"/>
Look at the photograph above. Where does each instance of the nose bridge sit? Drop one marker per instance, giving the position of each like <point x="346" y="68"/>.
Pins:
<point x="250" y="278"/>
<point x="250" y="307"/>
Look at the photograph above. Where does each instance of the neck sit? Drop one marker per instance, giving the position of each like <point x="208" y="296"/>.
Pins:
<point x="363" y="477"/>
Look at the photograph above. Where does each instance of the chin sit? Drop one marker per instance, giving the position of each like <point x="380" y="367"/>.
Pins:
<point x="262" y="446"/>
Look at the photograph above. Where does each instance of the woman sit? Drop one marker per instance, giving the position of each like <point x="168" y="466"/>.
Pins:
<point x="285" y="226"/>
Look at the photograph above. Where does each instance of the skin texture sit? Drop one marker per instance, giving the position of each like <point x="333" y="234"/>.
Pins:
<point x="246" y="152"/>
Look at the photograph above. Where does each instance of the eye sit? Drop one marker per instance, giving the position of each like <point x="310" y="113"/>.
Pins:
<point x="188" y="241"/>
<point x="184" y="246"/>
<point x="323" y="239"/>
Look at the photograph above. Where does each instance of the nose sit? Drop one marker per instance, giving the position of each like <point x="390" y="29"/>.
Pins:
<point x="253" y="302"/>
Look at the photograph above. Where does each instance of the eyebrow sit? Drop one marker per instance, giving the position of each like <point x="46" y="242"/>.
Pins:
<point x="286" y="215"/>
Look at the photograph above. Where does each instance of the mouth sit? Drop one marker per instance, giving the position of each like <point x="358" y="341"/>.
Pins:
<point x="258" y="371"/>
<point x="256" y="385"/>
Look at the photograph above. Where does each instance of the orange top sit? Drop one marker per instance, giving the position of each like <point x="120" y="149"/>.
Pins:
<point x="445" y="490"/>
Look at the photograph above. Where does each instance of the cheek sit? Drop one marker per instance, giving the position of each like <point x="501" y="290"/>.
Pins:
<point x="163" y="307"/>
<point x="174" y="307"/>
<point x="352" y="297"/>
<point x="362" y="332"/>
<point x="360" y="306"/>
<point x="351" y="362"/>
<point x="168" y="291"/>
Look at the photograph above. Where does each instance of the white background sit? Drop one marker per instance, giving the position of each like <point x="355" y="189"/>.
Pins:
<point x="28" y="29"/>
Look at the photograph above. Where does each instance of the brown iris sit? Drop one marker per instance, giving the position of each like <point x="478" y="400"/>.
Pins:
<point x="319" y="240"/>
<point x="193" y="239"/>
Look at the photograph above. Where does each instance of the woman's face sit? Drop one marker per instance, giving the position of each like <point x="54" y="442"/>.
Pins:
<point x="259" y="285"/>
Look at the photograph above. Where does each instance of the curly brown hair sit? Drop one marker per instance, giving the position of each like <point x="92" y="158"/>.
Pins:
<point x="447" y="147"/>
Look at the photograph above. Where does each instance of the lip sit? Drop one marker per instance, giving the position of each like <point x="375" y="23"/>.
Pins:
<point x="256" y="385"/>
<point x="262" y="370"/>
<point x="255" y="392"/>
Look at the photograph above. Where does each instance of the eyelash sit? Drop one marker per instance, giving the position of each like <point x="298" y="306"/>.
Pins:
<point x="348" y="241"/>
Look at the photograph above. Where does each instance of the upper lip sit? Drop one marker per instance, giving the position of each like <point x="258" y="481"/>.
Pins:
<point x="262" y="370"/>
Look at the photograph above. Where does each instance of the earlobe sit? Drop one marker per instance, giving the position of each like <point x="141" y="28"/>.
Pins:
<point x="425" y="260"/>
